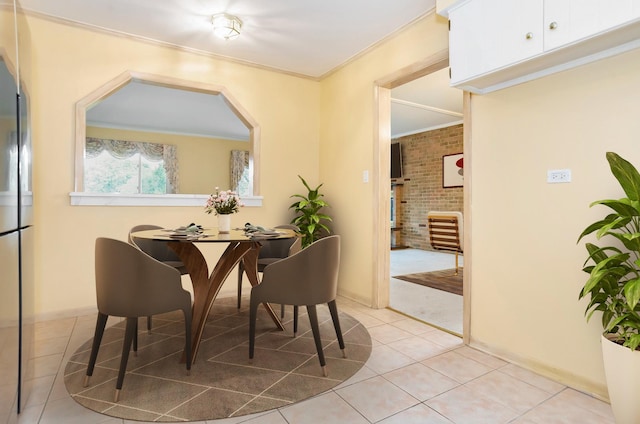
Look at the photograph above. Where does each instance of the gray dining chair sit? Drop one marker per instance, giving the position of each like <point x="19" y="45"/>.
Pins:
<point x="131" y="284"/>
<point x="307" y="278"/>
<point x="160" y="251"/>
<point x="272" y="251"/>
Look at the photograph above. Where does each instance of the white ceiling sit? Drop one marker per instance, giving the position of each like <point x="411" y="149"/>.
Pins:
<point x="424" y="104"/>
<point x="306" y="37"/>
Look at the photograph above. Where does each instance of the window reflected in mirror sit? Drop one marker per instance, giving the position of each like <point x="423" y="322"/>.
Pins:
<point x="144" y="135"/>
<point x="120" y="166"/>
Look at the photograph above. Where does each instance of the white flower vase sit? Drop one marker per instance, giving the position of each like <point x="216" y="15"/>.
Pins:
<point x="224" y="223"/>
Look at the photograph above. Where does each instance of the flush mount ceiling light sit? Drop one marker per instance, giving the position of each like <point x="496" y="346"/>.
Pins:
<point x="226" y="26"/>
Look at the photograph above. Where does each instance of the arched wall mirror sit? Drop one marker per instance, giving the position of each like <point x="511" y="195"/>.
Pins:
<point x="148" y="140"/>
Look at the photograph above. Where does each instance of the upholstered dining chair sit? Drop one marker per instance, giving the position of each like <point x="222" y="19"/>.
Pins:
<point x="158" y="250"/>
<point x="131" y="284"/>
<point x="445" y="232"/>
<point x="272" y="251"/>
<point x="306" y="278"/>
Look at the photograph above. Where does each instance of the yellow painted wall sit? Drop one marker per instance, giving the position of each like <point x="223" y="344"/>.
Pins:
<point x="526" y="272"/>
<point x="7" y="39"/>
<point x="441" y="5"/>
<point x="71" y="63"/>
<point x="203" y="162"/>
<point x="347" y="145"/>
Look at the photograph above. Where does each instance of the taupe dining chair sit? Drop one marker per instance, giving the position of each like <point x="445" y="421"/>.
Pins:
<point x="307" y="278"/>
<point x="132" y="284"/>
<point x="445" y="232"/>
<point x="160" y="251"/>
<point x="272" y="251"/>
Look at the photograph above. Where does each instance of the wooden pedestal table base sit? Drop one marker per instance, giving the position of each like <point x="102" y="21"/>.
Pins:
<point x="206" y="287"/>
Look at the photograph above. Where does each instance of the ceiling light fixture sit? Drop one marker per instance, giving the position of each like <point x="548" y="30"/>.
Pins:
<point x="226" y="26"/>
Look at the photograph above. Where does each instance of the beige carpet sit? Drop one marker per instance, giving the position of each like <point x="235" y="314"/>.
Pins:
<point x="442" y="280"/>
<point x="222" y="382"/>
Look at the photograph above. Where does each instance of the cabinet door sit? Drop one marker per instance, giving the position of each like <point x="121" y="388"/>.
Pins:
<point x="488" y="34"/>
<point x="566" y="21"/>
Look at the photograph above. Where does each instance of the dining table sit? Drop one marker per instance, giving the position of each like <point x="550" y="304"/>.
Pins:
<point x="241" y="246"/>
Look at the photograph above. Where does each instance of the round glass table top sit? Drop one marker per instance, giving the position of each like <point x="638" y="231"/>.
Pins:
<point x="212" y="235"/>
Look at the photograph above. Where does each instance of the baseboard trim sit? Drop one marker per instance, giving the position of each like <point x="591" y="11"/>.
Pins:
<point x="589" y="387"/>
<point x="68" y="313"/>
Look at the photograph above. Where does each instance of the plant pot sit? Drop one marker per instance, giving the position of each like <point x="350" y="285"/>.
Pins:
<point x="622" y="368"/>
<point x="224" y="223"/>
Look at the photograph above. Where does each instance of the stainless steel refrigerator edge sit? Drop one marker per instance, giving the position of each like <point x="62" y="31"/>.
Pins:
<point x="16" y="232"/>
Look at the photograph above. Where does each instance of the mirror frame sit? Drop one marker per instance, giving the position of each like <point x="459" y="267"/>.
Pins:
<point x="79" y="197"/>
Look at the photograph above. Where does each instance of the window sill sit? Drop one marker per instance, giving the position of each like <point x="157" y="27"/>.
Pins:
<point x="109" y="199"/>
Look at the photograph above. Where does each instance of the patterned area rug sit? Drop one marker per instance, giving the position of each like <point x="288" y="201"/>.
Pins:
<point x="222" y="382"/>
<point x="442" y="280"/>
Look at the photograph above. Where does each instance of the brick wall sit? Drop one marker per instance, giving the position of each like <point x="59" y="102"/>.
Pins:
<point x="422" y="189"/>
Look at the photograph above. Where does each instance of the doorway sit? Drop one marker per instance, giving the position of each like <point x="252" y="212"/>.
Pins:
<point x="439" y="308"/>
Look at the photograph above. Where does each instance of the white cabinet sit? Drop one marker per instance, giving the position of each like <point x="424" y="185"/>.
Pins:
<point x="495" y="44"/>
<point x="487" y="34"/>
<point x="566" y="21"/>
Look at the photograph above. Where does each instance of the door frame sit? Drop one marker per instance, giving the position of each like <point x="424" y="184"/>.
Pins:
<point x="382" y="188"/>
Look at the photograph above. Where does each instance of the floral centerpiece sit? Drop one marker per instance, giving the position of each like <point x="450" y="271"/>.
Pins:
<point x="223" y="202"/>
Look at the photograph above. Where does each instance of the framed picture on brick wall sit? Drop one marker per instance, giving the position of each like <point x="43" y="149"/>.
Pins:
<point x="452" y="170"/>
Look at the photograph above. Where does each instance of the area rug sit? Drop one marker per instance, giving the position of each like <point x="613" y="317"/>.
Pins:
<point x="222" y="383"/>
<point x="442" y="280"/>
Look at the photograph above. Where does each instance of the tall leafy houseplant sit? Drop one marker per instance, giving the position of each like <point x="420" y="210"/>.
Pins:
<point x="308" y="217"/>
<point x="614" y="271"/>
<point x="614" y="289"/>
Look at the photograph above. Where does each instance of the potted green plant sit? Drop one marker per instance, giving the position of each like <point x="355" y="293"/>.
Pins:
<point x="308" y="217"/>
<point x="613" y="288"/>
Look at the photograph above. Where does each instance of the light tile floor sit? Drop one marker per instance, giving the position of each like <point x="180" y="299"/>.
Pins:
<point x="416" y="374"/>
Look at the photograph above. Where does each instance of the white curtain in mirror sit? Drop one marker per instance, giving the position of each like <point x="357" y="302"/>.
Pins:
<point x="240" y="172"/>
<point x="122" y="149"/>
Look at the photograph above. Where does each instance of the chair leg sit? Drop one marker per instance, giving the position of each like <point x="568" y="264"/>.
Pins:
<point x="313" y="319"/>
<point x="282" y="311"/>
<point x="253" y="313"/>
<point x="149" y="324"/>
<point x="295" y="320"/>
<point x="101" y="322"/>
<point x="132" y="325"/>
<point x="240" y="272"/>
<point x="135" y="340"/>
<point x="187" y="338"/>
<point x="456" y="273"/>
<point x="333" y="308"/>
